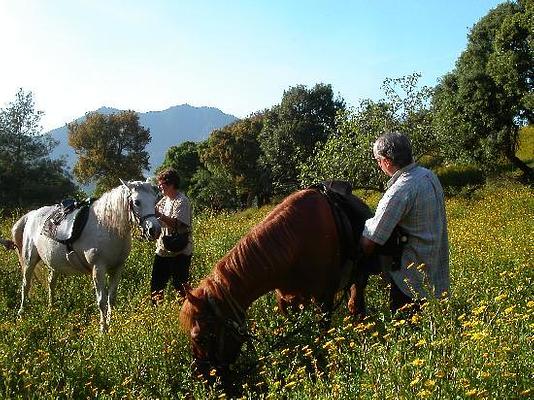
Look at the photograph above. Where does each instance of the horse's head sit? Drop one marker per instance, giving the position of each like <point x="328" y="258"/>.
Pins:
<point x="142" y="201"/>
<point x="216" y="338"/>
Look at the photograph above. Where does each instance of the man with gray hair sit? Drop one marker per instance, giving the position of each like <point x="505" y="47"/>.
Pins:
<point x="414" y="202"/>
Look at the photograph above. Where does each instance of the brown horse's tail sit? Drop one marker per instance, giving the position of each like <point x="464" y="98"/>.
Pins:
<point x="17" y="233"/>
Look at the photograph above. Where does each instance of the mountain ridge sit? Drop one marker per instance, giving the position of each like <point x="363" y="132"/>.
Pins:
<point x="169" y="127"/>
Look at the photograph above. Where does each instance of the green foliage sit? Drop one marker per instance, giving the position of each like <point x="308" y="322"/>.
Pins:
<point x="108" y="148"/>
<point x="348" y="154"/>
<point x="185" y="160"/>
<point x="27" y="174"/>
<point x="213" y="190"/>
<point x="477" y="344"/>
<point x="236" y="150"/>
<point x="455" y="178"/>
<point x="292" y="129"/>
<point x="525" y="149"/>
<point x="480" y="106"/>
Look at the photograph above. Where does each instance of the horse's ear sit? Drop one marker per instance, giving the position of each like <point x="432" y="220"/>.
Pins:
<point x="195" y="300"/>
<point x="124" y="184"/>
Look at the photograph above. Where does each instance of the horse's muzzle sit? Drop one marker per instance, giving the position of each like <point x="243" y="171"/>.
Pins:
<point x="152" y="229"/>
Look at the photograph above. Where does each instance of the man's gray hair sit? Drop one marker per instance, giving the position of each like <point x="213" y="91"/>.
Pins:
<point x="396" y="147"/>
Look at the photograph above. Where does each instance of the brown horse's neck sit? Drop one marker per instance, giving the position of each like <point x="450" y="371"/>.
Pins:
<point x="245" y="289"/>
<point x="259" y="263"/>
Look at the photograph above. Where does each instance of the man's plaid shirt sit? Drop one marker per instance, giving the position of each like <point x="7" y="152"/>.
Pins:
<point x="414" y="200"/>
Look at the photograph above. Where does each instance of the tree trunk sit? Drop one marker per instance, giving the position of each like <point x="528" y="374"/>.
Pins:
<point x="518" y="163"/>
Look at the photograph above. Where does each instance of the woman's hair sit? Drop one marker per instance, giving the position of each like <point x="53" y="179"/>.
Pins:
<point x="396" y="147"/>
<point x="169" y="176"/>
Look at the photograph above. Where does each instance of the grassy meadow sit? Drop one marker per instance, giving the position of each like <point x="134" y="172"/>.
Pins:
<point x="479" y="343"/>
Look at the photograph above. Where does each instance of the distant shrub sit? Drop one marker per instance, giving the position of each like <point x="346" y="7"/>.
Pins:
<point x="525" y="149"/>
<point x="431" y="161"/>
<point x="456" y="177"/>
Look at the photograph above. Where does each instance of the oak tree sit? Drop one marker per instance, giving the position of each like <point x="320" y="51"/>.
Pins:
<point x="109" y="147"/>
<point x="481" y="105"/>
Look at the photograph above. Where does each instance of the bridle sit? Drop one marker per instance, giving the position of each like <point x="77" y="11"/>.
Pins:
<point x="139" y="219"/>
<point x="234" y="325"/>
<point x="134" y="215"/>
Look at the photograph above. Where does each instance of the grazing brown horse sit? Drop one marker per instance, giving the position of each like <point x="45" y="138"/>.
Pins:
<point x="294" y="250"/>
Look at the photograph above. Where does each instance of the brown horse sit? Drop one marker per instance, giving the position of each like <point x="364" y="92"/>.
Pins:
<point x="294" y="250"/>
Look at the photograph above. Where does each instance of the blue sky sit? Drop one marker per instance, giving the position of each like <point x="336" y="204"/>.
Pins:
<point x="239" y="56"/>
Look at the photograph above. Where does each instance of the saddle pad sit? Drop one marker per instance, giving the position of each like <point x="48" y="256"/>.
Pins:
<point x="66" y="227"/>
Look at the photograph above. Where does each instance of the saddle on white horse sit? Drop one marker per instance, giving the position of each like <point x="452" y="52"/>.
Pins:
<point x="66" y="223"/>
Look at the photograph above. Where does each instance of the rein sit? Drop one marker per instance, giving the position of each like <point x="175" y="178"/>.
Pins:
<point x="238" y="323"/>
<point x="235" y="324"/>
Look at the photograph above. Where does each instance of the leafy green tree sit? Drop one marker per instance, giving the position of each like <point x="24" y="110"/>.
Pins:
<point x="28" y="176"/>
<point x="235" y="149"/>
<point x="347" y="155"/>
<point x="213" y="190"/>
<point x="185" y="160"/>
<point x="292" y="129"/>
<point x="481" y="105"/>
<point x="109" y="147"/>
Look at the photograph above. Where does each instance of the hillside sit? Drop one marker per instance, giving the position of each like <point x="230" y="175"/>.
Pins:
<point x="477" y="344"/>
<point x="168" y="128"/>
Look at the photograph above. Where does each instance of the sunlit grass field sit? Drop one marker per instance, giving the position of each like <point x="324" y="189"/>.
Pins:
<point x="479" y="343"/>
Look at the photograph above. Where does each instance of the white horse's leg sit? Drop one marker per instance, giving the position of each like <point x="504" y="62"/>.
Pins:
<point x="30" y="261"/>
<point x="114" y="278"/>
<point x="99" y="280"/>
<point x="52" y="280"/>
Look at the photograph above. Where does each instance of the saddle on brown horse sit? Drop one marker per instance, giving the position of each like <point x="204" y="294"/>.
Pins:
<point x="350" y="214"/>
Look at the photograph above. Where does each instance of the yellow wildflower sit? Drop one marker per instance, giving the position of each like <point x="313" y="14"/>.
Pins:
<point x="424" y="393"/>
<point x="439" y="374"/>
<point x="430" y="383"/>
<point x="418" y="362"/>
<point x="479" y="310"/>
<point x="471" y="392"/>
<point x="415" y="381"/>
<point x="420" y="343"/>
<point x="415" y="319"/>
<point x="509" y="310"/>
<point x="500" y="297"/>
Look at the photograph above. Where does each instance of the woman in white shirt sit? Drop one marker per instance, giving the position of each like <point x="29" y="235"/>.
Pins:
<point x="174" y="214"/>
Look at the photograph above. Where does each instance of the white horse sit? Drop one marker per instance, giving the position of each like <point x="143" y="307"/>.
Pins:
<point x="101" y="249"/>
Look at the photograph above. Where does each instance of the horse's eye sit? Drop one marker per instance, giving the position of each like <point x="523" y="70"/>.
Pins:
<point x="137" y="203"/>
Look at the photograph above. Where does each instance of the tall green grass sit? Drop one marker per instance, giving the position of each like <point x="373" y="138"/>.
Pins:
<point x="476" y="344"/>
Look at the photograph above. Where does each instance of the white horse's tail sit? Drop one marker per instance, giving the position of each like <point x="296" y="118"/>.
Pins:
<point x="17" y="232"/>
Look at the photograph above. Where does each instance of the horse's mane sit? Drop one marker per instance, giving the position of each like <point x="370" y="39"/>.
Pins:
<point x="112" y="211"/>
<point x="264" y="248"/>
